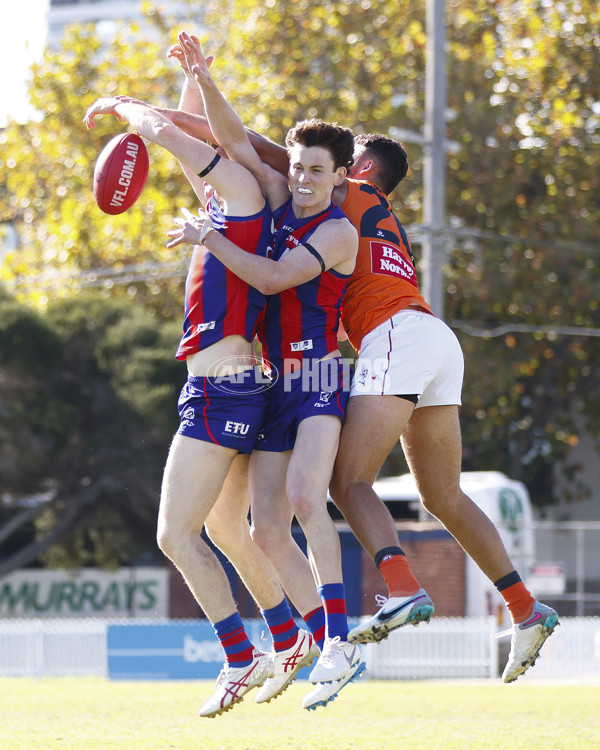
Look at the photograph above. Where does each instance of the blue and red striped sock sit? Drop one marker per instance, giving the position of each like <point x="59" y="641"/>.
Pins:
<point x="281" y="625"/>
<point x="315" y="622"/>
<point x="232" y="635"/>
<point x="334" y="602"/>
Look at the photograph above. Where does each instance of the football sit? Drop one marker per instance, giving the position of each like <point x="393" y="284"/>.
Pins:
<point x="120" y="173"/>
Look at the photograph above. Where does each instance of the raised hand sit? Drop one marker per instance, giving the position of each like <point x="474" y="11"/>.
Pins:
<point x="196" y="63"/>
<point x="103" y="106"/>
<point x="177" y="52"/>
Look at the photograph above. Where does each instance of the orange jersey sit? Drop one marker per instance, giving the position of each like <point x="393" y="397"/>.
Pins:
<point x="384" y="279"/>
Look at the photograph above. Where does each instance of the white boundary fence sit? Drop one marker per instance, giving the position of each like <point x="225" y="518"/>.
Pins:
<point x="446" y="648"/>
<point x="454" y="647"/>
<point x="53" y="648"/>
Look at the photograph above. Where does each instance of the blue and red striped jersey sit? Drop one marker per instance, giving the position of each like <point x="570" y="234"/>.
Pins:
<point x="302" y="322"/>
<point x="217" y="302"/>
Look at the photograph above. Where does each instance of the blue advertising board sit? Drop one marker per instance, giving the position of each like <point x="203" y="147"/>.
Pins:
<point x="181" y="650"/>
<point x="177" y="649"/>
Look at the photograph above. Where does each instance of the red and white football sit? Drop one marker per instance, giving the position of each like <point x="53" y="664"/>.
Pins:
<point x="120" y="173"/>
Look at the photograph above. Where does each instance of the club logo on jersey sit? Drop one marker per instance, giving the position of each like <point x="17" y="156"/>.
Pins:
<point x="201" y="327"/>
<point x="388" y="260"/>
<point x="301" y="346"/>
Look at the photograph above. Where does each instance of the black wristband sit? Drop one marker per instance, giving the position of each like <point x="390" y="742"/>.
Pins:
<point x="210" y="167"/>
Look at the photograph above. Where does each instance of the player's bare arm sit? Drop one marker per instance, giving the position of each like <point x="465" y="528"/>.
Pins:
<point x="338" y="247"/>
<point x="269" y="152"/>
<point x="336" y="241"/>
<point x="232" y="181"/>
<point x="227" y="128"/>
<point x="190" y="100"/>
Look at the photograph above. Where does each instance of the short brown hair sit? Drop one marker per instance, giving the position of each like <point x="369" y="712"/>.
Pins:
<point x="339" y="141"/>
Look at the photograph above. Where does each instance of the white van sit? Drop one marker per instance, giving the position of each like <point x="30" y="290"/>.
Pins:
<point x="505" y="501"/>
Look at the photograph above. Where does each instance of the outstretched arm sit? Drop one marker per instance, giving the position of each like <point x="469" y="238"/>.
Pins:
<point x="268" y="151"/>
<point x="228" y="129"/>
<point x="235" y="184"/>
<point x="190" y="100"/>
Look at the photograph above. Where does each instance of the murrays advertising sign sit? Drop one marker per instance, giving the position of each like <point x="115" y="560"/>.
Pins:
<point x="85" y="592"/>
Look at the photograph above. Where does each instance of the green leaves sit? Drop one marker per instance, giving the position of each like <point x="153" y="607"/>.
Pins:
<point x="522" y="190"/>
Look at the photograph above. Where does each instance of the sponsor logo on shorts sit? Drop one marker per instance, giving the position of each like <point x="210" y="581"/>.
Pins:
<point x="188" y="413"/>
<point x="236" y="428"/>
<point x="324" y="399"/>
<point x="361" y="377"/>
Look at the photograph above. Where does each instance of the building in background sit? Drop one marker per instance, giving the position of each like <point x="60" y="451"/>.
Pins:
<point x="106" y="14"/>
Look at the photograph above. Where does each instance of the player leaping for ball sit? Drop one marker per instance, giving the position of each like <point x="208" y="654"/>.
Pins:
<point x="222" y="315"/>
<point x="416" y="397"/>
<point x="314" y="253"/>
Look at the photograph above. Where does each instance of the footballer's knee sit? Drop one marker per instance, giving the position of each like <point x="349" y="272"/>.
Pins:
<point x="442" y="503"/>
<point x="167" y="541"/>
<point x="264" y="535"/>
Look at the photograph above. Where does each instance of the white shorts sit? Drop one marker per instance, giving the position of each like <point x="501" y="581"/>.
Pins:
<point x="412" y="353"/>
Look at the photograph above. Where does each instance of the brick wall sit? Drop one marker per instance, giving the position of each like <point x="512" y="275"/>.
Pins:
<point x="435" y="557"/>
<point x="437" y="561"/>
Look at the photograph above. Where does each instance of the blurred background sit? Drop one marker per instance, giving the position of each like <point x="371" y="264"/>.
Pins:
<point x="498" y="107"/>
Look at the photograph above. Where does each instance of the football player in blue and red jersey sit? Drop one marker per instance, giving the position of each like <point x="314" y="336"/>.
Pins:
<point x="222" y="407"/>
<point x="314" y="251"/>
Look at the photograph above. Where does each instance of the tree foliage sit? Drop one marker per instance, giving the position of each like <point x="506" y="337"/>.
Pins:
<point x="87" y="409"/>
<point x="67" y="243"/>
<point x="522" y="190"/>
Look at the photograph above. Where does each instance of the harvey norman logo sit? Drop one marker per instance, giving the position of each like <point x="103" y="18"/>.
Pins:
<point x="386" y="259"/>
<point x="85" y="592"/>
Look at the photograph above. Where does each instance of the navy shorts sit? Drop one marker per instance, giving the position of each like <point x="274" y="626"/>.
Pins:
<point x="227" y="411"/>
<point x="319" y="389"/>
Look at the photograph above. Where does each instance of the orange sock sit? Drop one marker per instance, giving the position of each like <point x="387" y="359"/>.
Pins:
<point x="398" y="576"/>
<point x="519" y="601"/>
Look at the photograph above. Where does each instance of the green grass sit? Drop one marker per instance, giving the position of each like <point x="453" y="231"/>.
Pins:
<point x="88" y="714"/>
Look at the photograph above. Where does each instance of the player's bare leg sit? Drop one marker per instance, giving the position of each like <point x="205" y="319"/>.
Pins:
<point x="307" y="482"/>
<point x="228" y="528"/>
<point x="378" y="421"/>
<point x="435" y="431"/>
<point x="193" y="478"/>
<point x="433" y="449"/>
<point x="372" y="428"/>
<point x="272" y="517"/>
<point x="316" y="447"/>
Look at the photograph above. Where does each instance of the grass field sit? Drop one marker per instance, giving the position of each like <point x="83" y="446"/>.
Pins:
<point x="88" y="714"/>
